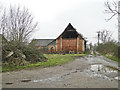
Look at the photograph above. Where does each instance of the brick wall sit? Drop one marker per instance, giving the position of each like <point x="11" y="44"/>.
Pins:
<point x="59" y="44"/>
<point x="69" y="45"/>
<point x="80" y="44"/>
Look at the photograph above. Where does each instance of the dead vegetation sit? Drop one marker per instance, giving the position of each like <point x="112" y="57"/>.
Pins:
<point x="19" y="54"/>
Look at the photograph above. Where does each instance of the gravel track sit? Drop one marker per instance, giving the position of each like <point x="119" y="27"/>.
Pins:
<point x="84" y="72"/>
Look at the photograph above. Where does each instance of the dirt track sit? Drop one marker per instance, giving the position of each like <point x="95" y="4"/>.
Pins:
<point x="84" y="72"/>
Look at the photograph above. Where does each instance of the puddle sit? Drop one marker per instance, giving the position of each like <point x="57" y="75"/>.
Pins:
<point x="117" y="78"/>
<point x="25" y="80"/>
<point x="102" y="71"/>
<point x="102" y="68"/>
<point x="8" y="83"/>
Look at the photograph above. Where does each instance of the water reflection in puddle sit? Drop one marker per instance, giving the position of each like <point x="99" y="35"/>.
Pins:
<point x="105" y="72"/>
<point x="102" y="68"/>
<point x="117" y="78"/>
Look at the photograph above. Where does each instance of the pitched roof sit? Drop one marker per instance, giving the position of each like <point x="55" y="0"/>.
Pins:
<point x="70" y="27"/>
<point x="42" y="42"/>
<point x="70" y="32"/>
<point x="53" y="42"/>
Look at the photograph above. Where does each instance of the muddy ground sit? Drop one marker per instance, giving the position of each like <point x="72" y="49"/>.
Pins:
<point x="84" y="72"/>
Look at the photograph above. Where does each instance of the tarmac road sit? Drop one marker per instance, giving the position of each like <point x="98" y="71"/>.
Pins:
<point x="84" y="72"/>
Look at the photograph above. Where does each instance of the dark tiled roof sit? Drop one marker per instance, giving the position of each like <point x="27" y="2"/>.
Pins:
<point x="53" y="42"/>
<point x="70" y="32"/>
<point x="42" y="42"/>
<point x="69" y="27"/>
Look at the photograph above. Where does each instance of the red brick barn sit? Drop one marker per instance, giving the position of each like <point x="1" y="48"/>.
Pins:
<point x="70" y="41"/>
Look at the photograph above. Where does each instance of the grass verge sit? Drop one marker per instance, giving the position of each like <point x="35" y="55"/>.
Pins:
<point x="111" y="57"/>
<point x="53" y="60"/>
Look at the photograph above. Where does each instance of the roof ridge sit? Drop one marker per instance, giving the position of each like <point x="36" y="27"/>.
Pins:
<point x="69" y="27"/>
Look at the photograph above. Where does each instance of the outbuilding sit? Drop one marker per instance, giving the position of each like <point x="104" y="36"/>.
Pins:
<point x="70" y="41"/>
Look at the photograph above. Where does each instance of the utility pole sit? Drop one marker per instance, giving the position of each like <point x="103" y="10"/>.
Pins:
<point x="119" y="23"/>
<point x="98" y="36"/>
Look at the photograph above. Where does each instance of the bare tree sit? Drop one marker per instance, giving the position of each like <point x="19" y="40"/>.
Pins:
<point x="112" y="8"/>
<point x="17" y="24"/>
<point x="105" y="36"/>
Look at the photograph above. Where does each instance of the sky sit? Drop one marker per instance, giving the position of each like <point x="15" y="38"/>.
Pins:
<point x="53" y="16"/>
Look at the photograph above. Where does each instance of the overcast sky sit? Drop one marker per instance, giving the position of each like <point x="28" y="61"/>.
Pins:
<point x="53" y="16"/>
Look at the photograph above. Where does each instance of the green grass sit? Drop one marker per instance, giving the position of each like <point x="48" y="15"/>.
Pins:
<point x="112" y="57"/>
<point x="53" y="60"/>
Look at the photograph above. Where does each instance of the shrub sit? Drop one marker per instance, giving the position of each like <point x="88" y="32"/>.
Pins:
<point x="109" y="48"/>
